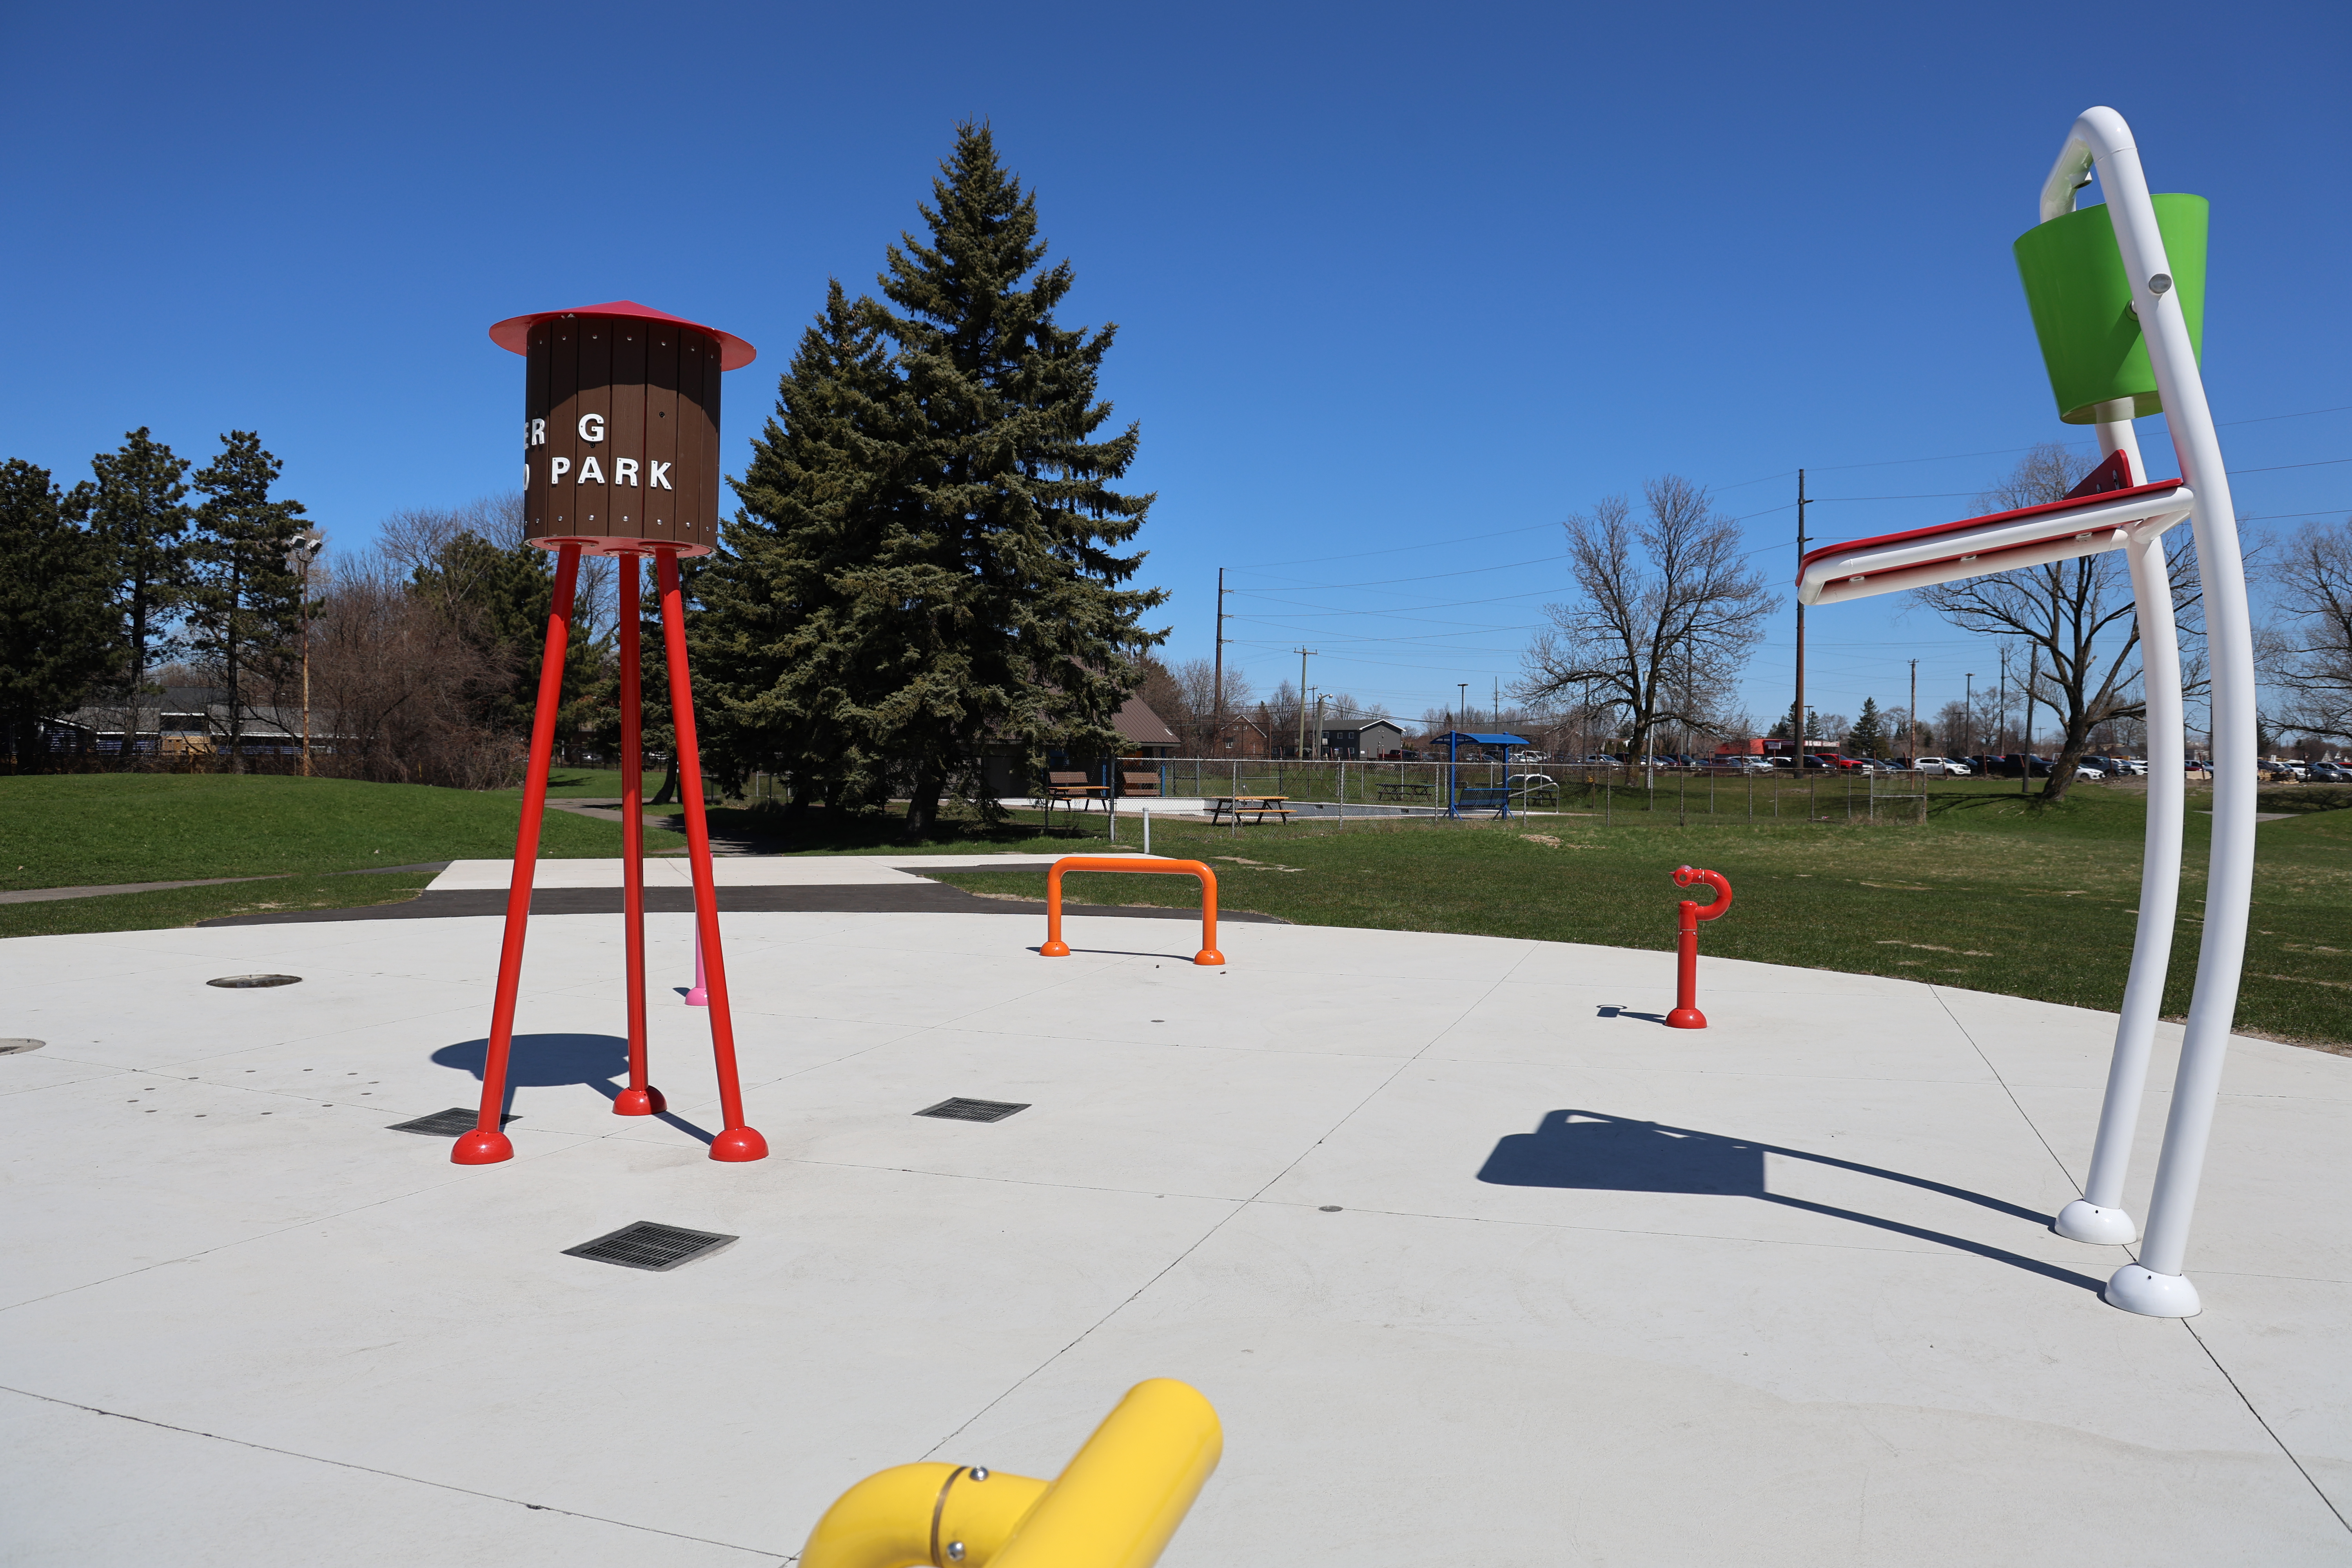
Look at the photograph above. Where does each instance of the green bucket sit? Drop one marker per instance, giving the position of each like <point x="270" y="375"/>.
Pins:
<point x="2082" y="303"/>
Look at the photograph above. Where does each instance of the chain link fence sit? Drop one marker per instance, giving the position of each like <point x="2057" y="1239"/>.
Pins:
<point x="1478" y="791"/>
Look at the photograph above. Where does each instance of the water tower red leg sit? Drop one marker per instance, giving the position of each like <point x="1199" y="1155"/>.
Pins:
<point x="735" y="1141"/>
<point x="487" y="1144"/>
<point x="641" y="1097"/>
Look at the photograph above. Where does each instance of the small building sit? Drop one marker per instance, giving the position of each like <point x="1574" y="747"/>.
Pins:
<point x="1775" y="747"/>
<point x="183" y="721"/>
<point x="1373" y="738"/>
<point x="1145" y="740"/>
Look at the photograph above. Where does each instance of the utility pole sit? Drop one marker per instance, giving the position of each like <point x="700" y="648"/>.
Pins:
<point x="2001" y="702"/>
<point x="1302" y="700"/>
<point x="2025" y="749"/>
<point x="1972" y="705"/>
<point x="1318" y="724"/>
<point x="1911" y="745"/>
<point x="1797" y="720"/>
<point x="1217" y="685"/>
<point x="1462" y="704"/>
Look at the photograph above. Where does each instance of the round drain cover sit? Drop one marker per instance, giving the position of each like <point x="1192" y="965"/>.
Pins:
<point x="247" y="982"/>
<point x="11" y="1047"/>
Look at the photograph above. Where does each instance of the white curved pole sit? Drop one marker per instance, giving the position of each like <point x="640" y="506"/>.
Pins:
<point x="2157" y="1285"/>
<point x="2098" y="1215"/>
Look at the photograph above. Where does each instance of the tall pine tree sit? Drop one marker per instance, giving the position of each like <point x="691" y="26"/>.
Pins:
<point x="56" y="633"/>
<point x="994" y="603"/>
<point x="925" y="568"/>
<point x="139" y="512"/>
<point x="779" y="650"/>
<point x="246" y="605"/>
<point x="1868" y="736"/>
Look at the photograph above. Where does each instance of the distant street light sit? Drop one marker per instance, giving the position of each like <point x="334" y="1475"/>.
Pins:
<point x="301" y="552"/>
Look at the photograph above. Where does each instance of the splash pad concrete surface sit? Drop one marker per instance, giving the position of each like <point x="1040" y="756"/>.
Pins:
<point x="1477" y="1261"/>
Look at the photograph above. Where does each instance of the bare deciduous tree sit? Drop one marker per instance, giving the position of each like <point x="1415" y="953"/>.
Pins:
<point x="2306" y="654"/>
<point x="1184" y="695"/>
<point x="1668" y="615"/>
<point x="2065" y="609"/>
<point x="392" y="679"/>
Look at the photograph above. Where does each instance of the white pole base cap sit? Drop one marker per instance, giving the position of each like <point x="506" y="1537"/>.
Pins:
<point x="2135" y="1290"/>
<point x="2084" y="1220"/>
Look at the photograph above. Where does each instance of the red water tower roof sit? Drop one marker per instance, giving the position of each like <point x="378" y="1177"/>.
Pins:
<point x="514" y="332"/>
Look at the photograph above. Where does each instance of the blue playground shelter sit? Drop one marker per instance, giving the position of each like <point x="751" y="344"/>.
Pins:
<point x="1495" y="798"/>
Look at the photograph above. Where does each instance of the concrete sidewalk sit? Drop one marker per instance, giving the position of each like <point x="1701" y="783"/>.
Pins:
<point x="1477" y="1262"/>
<point x="747" y="872"/>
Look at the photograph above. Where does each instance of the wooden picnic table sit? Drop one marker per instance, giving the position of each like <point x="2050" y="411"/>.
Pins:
<point x="1404" y="791"/>
<point x="1259" y="806"/>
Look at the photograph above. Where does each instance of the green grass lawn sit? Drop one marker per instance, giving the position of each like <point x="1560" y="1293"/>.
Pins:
<point x="186" y="905"/>
<point x="1991" y="892"/>
<point x="96" y="829"/>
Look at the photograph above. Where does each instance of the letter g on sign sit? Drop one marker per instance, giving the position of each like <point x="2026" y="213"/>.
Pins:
<point x="592" y="428"/>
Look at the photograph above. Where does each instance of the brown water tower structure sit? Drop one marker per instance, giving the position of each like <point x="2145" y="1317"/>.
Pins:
<point x="620" y="459"/>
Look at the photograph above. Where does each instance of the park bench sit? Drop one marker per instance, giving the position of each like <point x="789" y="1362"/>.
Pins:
<point x="1068" y="790"/>
<point x="1482" y="797"/>
<point x="1403" y="792"/>
<point x="1139" y="784"/>
<point x="1256" y="807"/>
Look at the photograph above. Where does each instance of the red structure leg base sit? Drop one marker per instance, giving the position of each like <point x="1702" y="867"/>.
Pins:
<point x="645" y="1101"/>
<point x="480" y="1148"/>
<point x="1208" y="955"/>
<point x="738" y="1144"/>
<point x="1056" y="949"/>
<point x="1685" y="1018"/>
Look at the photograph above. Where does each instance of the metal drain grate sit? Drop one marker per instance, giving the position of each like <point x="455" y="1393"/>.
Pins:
<point x="250" y="982"/>
<point x="453" y="1122"/>
<point x="648" y="1244"/>
<point x="962" y="1110"/>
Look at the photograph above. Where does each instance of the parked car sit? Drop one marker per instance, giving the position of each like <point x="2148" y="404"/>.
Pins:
<point x="1600" y="760"/>
<point x="1950" y="767"/>
<point x="2330" y="773"/>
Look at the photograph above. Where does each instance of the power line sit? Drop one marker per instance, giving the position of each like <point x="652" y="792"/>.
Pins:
<point x="1359" y="554"/>
<point x="1417" y="577"/>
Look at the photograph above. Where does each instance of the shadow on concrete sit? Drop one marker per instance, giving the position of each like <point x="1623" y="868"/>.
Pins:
<point x="556" y="1061"/>
<point x="1594" y="1151"/>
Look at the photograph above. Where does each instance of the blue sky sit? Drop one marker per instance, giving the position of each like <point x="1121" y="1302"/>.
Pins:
<point x="1398" y="288"/>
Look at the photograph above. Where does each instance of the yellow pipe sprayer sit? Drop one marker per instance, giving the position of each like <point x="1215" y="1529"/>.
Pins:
<point x="1115" y="1504"/>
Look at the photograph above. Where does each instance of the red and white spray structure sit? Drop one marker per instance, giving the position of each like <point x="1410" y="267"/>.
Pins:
<point x="2117" y="300"/>
<point x="621" y="458"/>
<point x="1686" y="1014"/>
